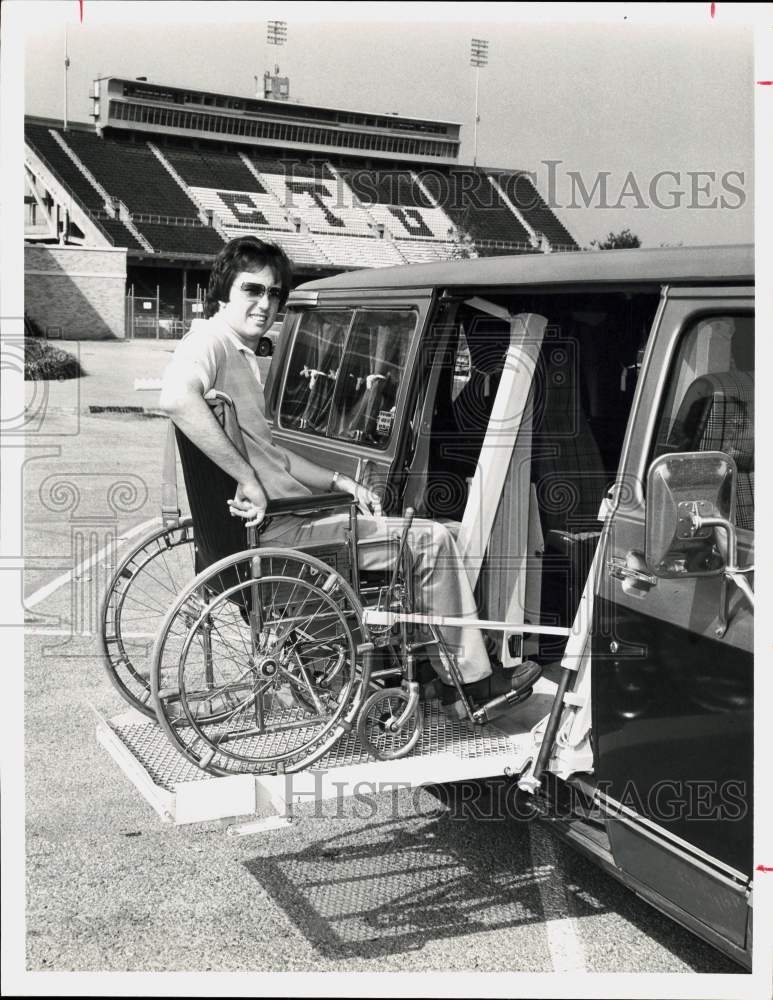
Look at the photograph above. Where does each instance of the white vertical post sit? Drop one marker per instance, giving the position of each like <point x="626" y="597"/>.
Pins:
<point x="477" y="118"/>
<point x="66" y="68"/>
<point x="157" y="310"/>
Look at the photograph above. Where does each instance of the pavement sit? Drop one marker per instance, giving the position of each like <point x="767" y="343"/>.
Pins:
<point x="398" y="882"/>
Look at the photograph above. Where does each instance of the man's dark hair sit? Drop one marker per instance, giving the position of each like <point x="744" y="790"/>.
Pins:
<point x="245" y="253"/>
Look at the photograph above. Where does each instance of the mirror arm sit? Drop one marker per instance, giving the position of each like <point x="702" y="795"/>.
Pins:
<point x="729" y="529"/>
<point x="732" y="569"/>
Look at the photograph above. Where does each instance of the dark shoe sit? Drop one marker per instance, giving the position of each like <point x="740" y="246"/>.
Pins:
<point x="502" y="681"/>
<point x="505" y="687"/>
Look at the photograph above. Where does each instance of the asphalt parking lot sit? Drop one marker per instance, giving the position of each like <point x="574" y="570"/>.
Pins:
<point x="403" y="883"/>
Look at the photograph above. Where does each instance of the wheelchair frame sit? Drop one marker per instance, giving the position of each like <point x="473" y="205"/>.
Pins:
<point x="193" y="712"/>
<point x="298" y="691"/>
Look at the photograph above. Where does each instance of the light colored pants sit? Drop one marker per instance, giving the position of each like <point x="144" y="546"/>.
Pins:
<point x="441" y="585"/>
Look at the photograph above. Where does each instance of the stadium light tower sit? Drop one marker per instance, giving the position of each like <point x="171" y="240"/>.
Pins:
<point x="275" y="87"/>
<point x="478" y="58"/>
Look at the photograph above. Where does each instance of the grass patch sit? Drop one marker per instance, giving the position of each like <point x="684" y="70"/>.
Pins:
<point x="44" y="361"/>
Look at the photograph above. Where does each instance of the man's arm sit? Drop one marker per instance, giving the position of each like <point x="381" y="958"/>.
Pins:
<point x="182" y="399"/>
<point x="319" y="480"/>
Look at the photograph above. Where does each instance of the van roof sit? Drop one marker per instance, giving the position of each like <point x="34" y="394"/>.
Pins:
<point x="672" y="264"/>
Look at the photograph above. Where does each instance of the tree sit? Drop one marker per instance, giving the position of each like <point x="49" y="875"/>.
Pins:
<point x="624" y="240"/>
<point x="463" y="245"/>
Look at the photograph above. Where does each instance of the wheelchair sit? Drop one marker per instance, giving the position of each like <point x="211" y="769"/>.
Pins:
<point x="260" y="659"/>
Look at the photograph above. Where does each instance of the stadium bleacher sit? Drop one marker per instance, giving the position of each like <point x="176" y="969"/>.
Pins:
<point x="130" y="171"/>
<point x="119" y="234"/>
<point x="41" y="140"/>
<point x="195" y="240"/>
<point x="213" y="170"/>
<point x="301" y="248"/>
<point x="292" y="168"/>
<point x="477" y="208"/>
<point x="395" y="200"/>
<point x="386" y="187"/>
<point x="239" y="210"/>
<point x="323" y="205"/>
<point x="326" y="214"/>
<point x="527" y="200"/>
<point x="358" y="251"/>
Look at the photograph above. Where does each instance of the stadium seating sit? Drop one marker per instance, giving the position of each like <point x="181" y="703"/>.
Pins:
<point x="358" y="251"/>
<point x="477" y="208"/>
<point x="302" y="248"/>
<point x="218" y="171"/>
<point x="119" y="234"/>
<point x="325" y="205"/>
<point x="386" y="187"/>
<point x="324" y="214"/>
<point x="395" y="200"/>
<point x="292" y="168"/>
<point x="131" y="172"/>
<point x="522" y="193"/>
<point x="48" y="149"/>
<point x="241" y="210"/>
<point x="199" y="240"/>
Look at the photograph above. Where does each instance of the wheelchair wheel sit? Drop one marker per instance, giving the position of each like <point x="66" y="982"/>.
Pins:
<point x="379" y="710"/>
<point x="135" y="604"/>
<point x="262" y="663"/>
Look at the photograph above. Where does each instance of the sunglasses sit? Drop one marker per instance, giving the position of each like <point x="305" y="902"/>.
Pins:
<point x="254" y="290"/>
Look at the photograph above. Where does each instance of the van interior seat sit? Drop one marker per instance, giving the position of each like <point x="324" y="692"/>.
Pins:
<point x="717" y="414"/>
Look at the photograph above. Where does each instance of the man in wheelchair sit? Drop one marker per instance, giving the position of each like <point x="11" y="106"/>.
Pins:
<point x="249" y="283"/>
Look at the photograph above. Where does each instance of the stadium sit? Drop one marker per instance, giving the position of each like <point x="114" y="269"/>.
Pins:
<point x="125" y="214"/>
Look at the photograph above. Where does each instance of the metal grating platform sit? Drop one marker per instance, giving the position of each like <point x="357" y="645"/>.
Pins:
<point x="449" y="749"/>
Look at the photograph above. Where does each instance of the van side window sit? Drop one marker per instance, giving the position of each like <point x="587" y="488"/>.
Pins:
<point x="313" y="369"/>
<point x="709" y="403"/>
<point x="344" y="373"/>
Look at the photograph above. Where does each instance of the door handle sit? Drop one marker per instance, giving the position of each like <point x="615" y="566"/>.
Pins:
<point x="632" y="572"/>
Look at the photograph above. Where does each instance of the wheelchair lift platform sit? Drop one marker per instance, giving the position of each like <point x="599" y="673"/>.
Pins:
<point x="449" y="750"/>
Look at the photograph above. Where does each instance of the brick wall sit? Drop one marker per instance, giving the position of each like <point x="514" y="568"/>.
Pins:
<point x="76" y="290"/>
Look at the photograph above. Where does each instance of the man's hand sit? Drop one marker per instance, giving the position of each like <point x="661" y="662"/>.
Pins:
<point x="250" y="502"/>
<point x="368" y="501"/>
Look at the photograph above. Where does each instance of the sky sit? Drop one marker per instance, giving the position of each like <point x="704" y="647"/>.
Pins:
<point x="621" y="98"/>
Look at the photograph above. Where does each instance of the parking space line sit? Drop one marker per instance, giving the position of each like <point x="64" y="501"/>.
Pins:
<point x="564" y="945"/>
<point x="49" y="588"/>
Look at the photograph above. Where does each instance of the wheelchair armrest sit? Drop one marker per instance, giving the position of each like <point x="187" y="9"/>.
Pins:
<point x="309" y="505"/>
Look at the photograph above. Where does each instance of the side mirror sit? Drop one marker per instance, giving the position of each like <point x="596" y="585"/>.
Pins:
<point x="684" y="491"/>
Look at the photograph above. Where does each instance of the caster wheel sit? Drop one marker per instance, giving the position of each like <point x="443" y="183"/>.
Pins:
<point x="376" y="715"/>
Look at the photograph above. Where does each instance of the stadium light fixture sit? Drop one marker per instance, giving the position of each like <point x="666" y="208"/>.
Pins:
<point x="276" y="32"/>
<point x="478" y="58"/>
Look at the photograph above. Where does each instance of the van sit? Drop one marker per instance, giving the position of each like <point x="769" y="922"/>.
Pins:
<point x="591" y="416"/>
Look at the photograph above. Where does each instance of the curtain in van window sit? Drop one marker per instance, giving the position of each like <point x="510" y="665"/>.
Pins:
<point x="344" y="373"/>
<point x="313" y="370"/>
